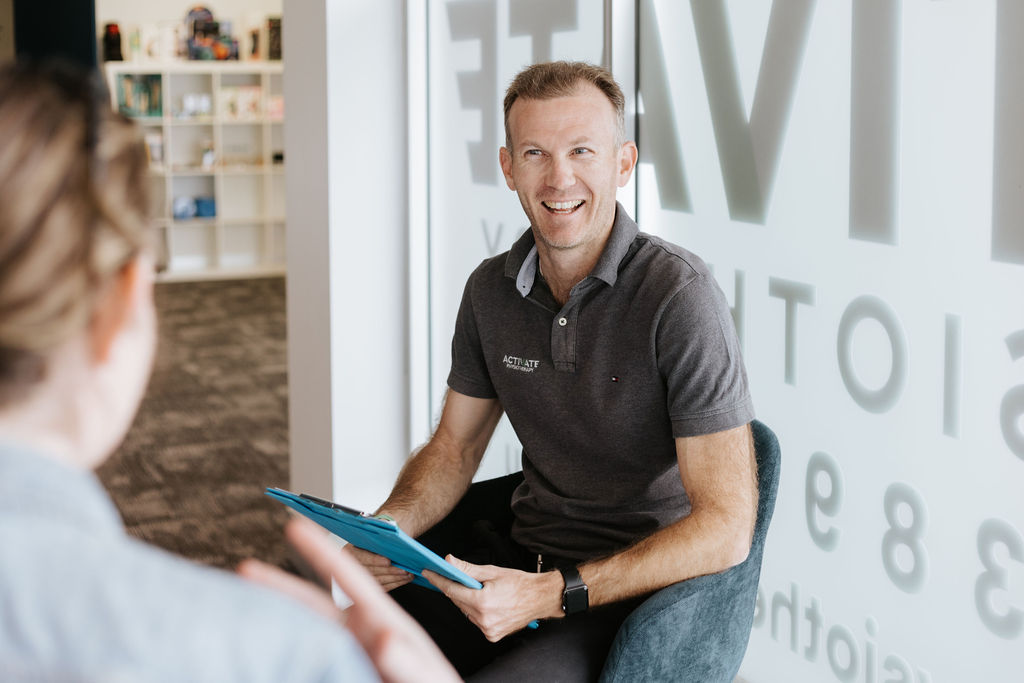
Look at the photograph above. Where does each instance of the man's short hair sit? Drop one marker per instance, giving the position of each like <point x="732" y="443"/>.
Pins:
<point x="548" y="80"/>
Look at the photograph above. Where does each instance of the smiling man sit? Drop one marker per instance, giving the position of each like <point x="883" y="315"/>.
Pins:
<point x="614" y="355"/>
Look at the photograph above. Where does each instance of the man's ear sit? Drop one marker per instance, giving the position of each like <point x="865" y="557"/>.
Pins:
<point x="628" y="155"/>
<point x="113" y="309"/>
<point x="505" y="160"/>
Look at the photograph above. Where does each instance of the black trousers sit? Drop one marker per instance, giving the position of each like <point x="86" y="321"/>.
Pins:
<point x="479" y="531"/>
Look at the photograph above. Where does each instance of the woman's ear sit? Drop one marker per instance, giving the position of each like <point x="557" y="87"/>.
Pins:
<point x="114" y="308"/>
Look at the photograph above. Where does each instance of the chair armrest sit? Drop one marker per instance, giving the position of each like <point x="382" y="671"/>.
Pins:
<point x="689" y="631"/>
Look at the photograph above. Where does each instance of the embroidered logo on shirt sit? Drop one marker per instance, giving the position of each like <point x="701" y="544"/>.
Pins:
<point x="520" y="364"/>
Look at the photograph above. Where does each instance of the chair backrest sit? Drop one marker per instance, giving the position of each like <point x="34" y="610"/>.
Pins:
<point x="769" y="464"/>
<point x="697" y="630"/>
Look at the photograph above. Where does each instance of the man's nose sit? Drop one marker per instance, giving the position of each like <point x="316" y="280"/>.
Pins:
<point x="560" y="174"/>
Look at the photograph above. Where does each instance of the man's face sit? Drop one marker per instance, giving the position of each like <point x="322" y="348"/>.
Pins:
<point x="566" y="164"/>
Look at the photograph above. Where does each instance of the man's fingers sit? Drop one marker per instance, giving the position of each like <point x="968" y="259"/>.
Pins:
<point x="396" y="583"/>
<point x="439" y="582"/>
<point x="387" y="575"/>
<point x="453" y="589"/>
<point x="287" y="584"/>
<point x="462" y="565"/>
<point x="480" y="572"/>
<point x="366" y="558"/>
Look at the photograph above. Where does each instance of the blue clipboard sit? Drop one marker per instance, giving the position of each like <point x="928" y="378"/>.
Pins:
<point x="376" y="535"/>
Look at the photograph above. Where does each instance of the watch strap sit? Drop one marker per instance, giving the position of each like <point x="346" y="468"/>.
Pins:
<point x="575" y="596"/>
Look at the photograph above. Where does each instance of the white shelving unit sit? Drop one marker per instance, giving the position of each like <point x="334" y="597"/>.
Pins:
<point x="216" y="130"/>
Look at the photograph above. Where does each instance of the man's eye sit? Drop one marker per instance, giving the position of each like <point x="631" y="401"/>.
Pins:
<point x="580" y="150"/>
<point x="532" y="152"/>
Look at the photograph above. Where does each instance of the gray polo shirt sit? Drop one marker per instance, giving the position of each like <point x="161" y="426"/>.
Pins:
<point x="596" y="390"/>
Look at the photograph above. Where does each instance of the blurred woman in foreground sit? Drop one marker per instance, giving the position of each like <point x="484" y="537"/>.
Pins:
<point x="79" y="600"/>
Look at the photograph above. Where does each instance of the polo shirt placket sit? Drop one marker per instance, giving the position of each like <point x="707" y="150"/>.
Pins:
<point x="565" y="324"/>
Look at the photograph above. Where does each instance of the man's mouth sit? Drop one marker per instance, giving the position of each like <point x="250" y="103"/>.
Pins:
<point x="563" y="208"/>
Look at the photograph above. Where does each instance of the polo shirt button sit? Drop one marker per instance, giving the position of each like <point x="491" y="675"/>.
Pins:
<point x="563" y="322"/>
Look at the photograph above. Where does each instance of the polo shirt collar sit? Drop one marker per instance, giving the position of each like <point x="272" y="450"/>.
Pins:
<point x="522" y="260"/>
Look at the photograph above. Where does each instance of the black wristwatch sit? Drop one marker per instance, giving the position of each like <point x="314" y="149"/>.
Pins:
<point x="575" y="597"/>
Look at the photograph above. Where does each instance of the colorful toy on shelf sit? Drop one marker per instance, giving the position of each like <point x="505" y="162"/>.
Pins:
<point x="209" y="38"/>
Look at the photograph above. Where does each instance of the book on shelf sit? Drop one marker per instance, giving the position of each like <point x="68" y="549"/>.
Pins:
<point x="241" y="102"/>
<point x="274" y="38"/>
<point x="139" y="95"/>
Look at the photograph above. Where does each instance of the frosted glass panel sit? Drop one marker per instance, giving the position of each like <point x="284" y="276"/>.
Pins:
<point x="853" y="172"/>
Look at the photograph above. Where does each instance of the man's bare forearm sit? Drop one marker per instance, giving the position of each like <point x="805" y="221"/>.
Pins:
<point x="695" y="546"/>
<point x="714" y="537"/>
<point x="437" y="476"/>
<point x="429" y="486"/>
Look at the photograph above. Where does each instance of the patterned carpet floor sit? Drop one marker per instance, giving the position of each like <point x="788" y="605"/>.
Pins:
<point x="212" y="430"/>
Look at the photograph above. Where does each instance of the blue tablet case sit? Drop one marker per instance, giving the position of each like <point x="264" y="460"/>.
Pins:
<point x="376" y="535"/>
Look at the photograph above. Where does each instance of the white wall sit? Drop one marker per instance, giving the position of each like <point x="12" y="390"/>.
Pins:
<point x="843" y="166"/>
<point x="345" y="138"/>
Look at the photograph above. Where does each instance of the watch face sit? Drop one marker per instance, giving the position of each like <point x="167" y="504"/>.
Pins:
<point x="575" y="599"/>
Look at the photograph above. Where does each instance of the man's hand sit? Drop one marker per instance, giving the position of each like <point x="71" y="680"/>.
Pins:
<point x="388" y="576"/>
<point x="509" y="600"/>
<point x="399" y="649"/>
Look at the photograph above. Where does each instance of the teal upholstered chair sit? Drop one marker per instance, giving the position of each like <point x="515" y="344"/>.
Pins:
<point x="697" y="630"/>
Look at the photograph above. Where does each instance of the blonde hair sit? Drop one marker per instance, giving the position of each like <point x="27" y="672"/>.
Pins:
<point x="73" y="207"/>
<point x="548" y="80"/>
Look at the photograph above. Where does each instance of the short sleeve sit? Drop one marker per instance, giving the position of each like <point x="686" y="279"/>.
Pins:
<point x="469" y="374"/>
<point x="700" y="359"/>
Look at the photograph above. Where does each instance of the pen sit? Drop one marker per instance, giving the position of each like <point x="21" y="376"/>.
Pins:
<point x="332" y="505"/>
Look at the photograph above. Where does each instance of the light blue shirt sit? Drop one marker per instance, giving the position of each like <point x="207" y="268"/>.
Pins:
<point x="82" y="601"/>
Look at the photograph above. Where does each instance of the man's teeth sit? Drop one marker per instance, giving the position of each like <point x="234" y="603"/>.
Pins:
<point x="563" y="206"/>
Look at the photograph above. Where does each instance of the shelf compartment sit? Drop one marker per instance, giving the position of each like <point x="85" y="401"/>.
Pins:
<point x="191" y="95"/>
<point x="278" y="252"/>
<point x="187" y="145"/>
<point x="198" y="185"/>
<point x="275" y="98"/>
<point x="241" y="144"/>
<point x="240" y="97"/>
<point x="277" y="142"/>
<point x="242" y="196"/>
<point x="194" y="188"/>
<point x="158" y="207"/>
<point x="275" y="196"/>
<point x="193" y="247"/>
<point x="140" y="95"/>
<point x="241" y="245"/>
